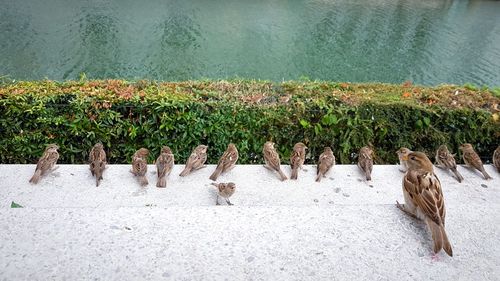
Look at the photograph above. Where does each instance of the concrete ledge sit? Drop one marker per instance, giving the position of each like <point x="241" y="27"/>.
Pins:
<point x="340" y="229"/>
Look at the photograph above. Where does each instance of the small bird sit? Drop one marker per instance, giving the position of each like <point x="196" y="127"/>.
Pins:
<point x="97" y="160"/>
<point x="424" y="199"/>
<point x="46" y="162"/>
<point x="472" y="159"/>
<point x="446" y="160"/>
<point x="403" y="152"/>
<point x="140" y="165"/>
<point x="496" y="158"/>
<point x="226" y="162"/>
<point x="272" y="159"/>
<point x="195" y="160"/>
<point x="164" y="165"/>
<point x="325" y="163"/>
<point x="225" y="190"/>
<point x="297" y="159"/>
<point x="365" y="161"/>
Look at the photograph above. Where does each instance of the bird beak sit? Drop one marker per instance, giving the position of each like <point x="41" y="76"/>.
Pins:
<point x="405" y="157"/>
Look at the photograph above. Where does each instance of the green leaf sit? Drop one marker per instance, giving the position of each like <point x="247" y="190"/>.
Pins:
<point x="419" y="124"/>
<point x="329" y="119"/>
<point x="427" y="121"/>
<point x="304" y="123"/>
<point x="15" y="205"/>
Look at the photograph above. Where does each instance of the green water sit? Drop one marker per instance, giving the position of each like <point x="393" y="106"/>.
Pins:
<point x="428" y="42"/>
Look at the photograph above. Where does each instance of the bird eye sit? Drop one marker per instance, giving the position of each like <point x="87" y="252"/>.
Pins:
<point x="413" y="158"/>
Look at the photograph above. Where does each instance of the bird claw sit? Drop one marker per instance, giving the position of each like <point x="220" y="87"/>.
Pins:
<point x="401" y="207"/>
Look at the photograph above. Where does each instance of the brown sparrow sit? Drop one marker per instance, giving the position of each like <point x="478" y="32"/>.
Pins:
<point x="297" y="159"/>
<point x="325" y="163"/>
<point x="164" y="165"/>
<point x="225" y="190"/>
<point x="365" y="161"/>
<point x="403" y="152"/>
<point x="472" y="159"/>
<point x="446" y="160"/>
<point x="195" y="160"/>
<point x="424" y="199"/>
<point x="496" y="158"/>
<point x="46" y="162"/>
<point x="140" y="165"/>
<point x="272" y="159"/>
<point x="97" y="159"/>
<point x="226" y="162"/>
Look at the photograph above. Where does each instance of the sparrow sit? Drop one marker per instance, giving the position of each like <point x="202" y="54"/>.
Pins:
<point x="424" y="199"/>
<point x="164" y="165"/>
<point x="365" y="161"/>
<point x="496" y="158"/>
<point x="226" y="162"/>
<point x="472" y="159"/>
<point x="195" y="160"/>
<point x="225" y="190"/>
<point x="401" y="153"/>
<point x="325" y="163"/>
<point x="97" y="160"/>
<point x="272" y="159"/>
<point x="140" y="165"/>
<point x="446" y="160"/>
<point x="297" y="159"/>
<point x="46" y="162"/>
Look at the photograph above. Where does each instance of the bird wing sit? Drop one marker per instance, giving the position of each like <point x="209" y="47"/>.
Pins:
<point x="161" y="167"/>
<point x="272" y="158"/>
<point x="228" y="159"/>
<point x="425" y="192"/>
<point x="325" y="162"/>
<point x="295" y="159"/>
<point x="197" y="160"/>
<point x="164" y="164"/>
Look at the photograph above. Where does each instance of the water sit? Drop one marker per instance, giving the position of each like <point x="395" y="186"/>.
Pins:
<point x="428" y="42"/>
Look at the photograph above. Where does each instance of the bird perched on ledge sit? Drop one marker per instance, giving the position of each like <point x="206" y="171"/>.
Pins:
<point x="424" y="198"/>
<point x="446" y="160"/>
<point x="97" y="159"/>
<point x="225" y="190"/>
<point x="297" y="159"/>
<point x="472" y="159"/>
<point x="325" y="162"/>
<point x="45" y="163"/>
<point x="164" y="165"/>
<point x="195" y="160"/>
<point x="272" y="159"/>
<point x="226" y="162"/>
<point x="140" y="165"/>
<point x="365" y="161"/>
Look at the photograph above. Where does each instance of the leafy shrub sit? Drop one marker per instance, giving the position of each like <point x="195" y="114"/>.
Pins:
<point x="125" y="116"/>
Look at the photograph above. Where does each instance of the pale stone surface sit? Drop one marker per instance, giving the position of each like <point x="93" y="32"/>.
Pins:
<point x="340" y="229"/>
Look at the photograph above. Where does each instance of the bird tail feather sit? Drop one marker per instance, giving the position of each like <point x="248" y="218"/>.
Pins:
<point x="162" y="182"/>
<point x="282" y="175"/>
<point x="185" y="172"/>
<point x="216" y="173"/>
<point x="143" y="181"/>
<point x="36" y="177"/>
<point x="457" y="174"/>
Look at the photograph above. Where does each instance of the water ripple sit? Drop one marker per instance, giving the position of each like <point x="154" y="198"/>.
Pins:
<point x="428" y="42"/>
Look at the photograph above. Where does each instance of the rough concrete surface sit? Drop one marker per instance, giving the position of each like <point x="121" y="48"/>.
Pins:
<point x="340" y="229"/>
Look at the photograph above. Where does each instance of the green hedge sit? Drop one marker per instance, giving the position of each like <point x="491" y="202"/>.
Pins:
<point x="128" y="115"/>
